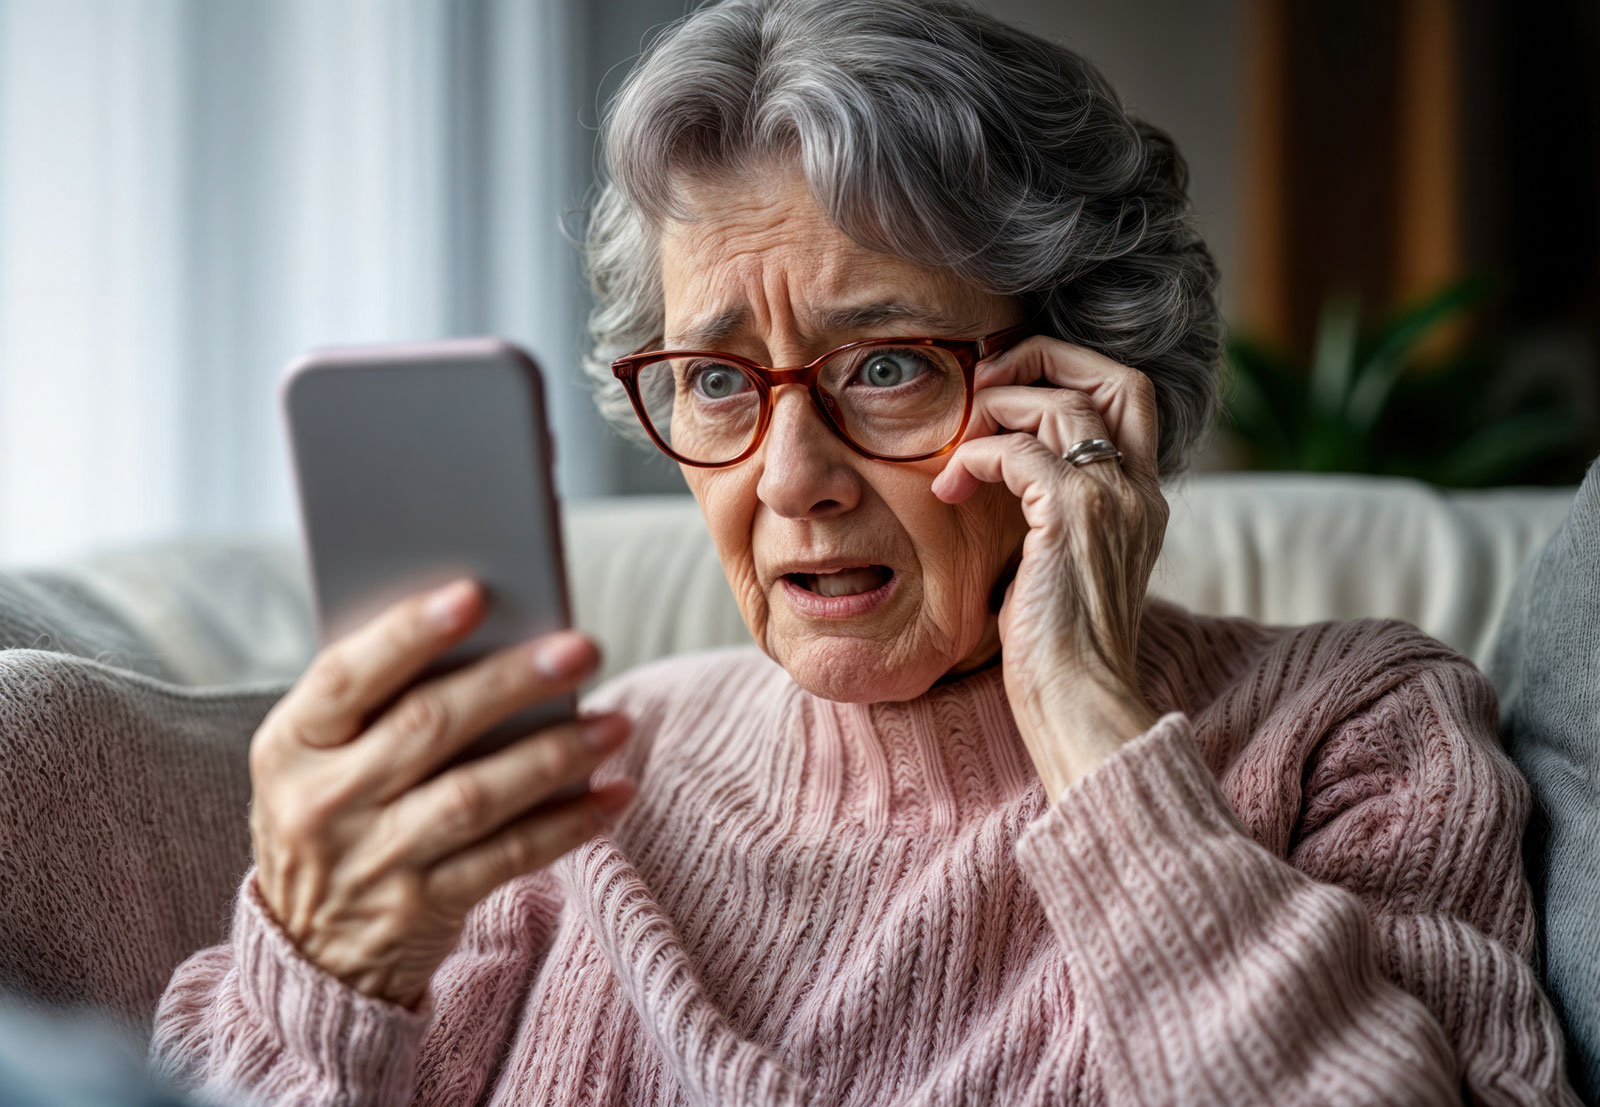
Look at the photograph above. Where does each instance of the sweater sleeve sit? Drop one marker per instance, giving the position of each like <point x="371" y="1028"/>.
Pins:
<point x="1386" y="959"/>
<point x="254" y="1020"/>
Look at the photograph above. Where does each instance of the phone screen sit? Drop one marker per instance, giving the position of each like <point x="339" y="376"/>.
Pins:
<point x="420" y="463"/>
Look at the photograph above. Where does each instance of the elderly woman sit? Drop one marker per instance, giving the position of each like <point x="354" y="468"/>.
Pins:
<point x="919" y="310"/>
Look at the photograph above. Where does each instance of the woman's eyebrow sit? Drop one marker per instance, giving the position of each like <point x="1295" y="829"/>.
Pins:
<point x="706" y="333"/>
<point x="877" y="312"/>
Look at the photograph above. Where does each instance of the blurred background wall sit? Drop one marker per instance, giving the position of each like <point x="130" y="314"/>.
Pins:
<point x="194" y="191"/>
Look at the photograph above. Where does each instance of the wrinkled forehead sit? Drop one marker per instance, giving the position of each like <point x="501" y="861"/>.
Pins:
<point x="761" y="257"/>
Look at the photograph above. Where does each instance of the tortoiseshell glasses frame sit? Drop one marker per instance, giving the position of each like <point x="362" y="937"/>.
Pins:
<point x="967" y="352"/>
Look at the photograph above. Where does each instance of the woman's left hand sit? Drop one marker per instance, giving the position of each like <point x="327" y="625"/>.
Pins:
<point x="1069" y="626"/>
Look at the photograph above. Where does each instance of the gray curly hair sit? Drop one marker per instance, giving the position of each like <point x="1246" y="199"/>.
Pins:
<point x="934" y="132"/>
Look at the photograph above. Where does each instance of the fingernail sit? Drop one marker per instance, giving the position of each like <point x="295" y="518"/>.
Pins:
<point x="448" y="606"/>
<point x="616" y="796"/>
<point x="604" y="731"/>
<point x="563" y="655"/>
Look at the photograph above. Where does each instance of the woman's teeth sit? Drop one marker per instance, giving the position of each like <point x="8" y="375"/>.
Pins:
<point x="846" y="582"/>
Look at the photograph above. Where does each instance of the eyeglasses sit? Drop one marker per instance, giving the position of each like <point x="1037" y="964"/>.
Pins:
<point x="889" y="399"/>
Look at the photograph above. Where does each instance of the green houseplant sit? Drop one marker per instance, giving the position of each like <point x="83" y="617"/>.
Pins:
<point x="1365" y="403"/>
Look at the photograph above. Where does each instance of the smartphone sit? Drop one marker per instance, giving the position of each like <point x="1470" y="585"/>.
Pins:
<point x="419" y="463"/>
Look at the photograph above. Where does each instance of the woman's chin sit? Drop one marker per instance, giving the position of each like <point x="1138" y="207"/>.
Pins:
<point x="856" y="670"/>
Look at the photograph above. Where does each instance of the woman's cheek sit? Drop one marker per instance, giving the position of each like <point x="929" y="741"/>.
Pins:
<point x="728" y="505"/>
<point x="747" y="591"/>
<point x="952" y="556"/>
<point x="992" y="529"/>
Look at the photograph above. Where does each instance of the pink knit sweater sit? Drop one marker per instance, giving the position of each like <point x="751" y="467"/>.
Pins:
<point x="1301" y="886"/>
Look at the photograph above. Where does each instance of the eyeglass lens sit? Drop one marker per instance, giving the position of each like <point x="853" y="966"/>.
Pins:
<point x="896" y="401"/>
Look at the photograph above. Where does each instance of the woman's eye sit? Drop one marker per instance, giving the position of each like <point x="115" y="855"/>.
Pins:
<point x="716" y="382"/>
<point x="885" y="370"/>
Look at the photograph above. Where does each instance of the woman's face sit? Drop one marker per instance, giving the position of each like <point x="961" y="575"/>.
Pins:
<point x="765" y="268"/>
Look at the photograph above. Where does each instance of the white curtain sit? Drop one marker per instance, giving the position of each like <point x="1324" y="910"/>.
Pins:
<point x="194" y="191"/>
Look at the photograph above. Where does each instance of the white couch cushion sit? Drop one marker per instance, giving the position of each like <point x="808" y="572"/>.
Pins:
<point x="1298" y="548"/>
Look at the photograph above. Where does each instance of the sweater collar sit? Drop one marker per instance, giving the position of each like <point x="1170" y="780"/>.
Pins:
<point x="928" y="764"/>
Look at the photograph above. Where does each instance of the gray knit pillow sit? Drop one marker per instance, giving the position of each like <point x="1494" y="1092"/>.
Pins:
<point x="123" y="826"/>
<point x="124" y="786"/>
<point x="1546" y="666"/>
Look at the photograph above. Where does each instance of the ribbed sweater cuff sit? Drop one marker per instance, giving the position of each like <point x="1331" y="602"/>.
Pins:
<point x="1155" y="888"/>
<point x="1142" y="854"/>
<point x="1158" y="781"/>
<point x="361" y="1049"/>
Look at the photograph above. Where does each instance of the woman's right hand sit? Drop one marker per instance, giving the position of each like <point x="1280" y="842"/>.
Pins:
<point x="368" y="861"/>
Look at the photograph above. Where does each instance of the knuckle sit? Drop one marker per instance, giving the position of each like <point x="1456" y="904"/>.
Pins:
<point x="331" y="680"/>
<point x="300" y="820"/>
<point x="1076" y="403"/>
<point x="1021" y="444"/>
<point x="516" y="853"/>
<point x="1036" y="450"/>
<point x="425" y="717"/>
<point x="1098" y="502"/>
<point x="563" y="756"/>
<point x="509" y="675"/>
<point x="1033" y="345"/>
<point x="1142" y="386"/>
<point x="466" y="806"/>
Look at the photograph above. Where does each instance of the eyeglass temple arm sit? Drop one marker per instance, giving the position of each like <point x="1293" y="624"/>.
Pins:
<point x="999" y="340"/>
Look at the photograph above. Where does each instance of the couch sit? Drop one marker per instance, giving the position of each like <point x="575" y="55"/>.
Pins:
<point x="131" y="679"/>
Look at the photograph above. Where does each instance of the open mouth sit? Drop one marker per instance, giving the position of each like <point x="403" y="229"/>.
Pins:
<point x="844" y="582"/>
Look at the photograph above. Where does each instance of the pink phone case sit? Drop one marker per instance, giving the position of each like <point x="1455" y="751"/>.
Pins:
<point x="418" y="463"/>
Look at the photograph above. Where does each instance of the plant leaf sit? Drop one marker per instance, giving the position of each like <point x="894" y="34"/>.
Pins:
<point x="1245" y="410"/>
<point x="1267" y="401"/>
<point x="1333" y="359"/>
<point x="1376" y="377"/>
<point x="1506" y="446"/>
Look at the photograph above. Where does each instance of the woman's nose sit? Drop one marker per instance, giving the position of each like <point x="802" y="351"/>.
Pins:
<point x="806" y="471"/>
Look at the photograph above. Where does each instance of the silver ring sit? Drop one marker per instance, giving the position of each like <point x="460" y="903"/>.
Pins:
<point x="1092" y="449"/>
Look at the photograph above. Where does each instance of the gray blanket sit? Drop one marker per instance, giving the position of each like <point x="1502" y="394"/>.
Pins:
<point x="1546" y="667"/>
<point x="124" y="790"/>
<point x="123" y="826"/>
